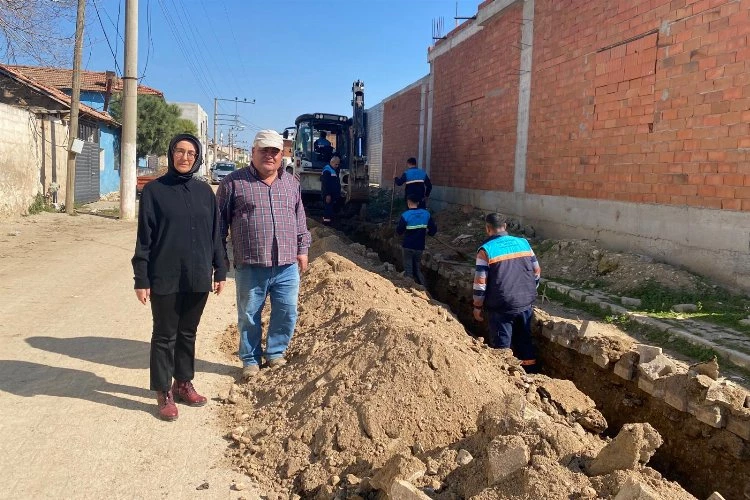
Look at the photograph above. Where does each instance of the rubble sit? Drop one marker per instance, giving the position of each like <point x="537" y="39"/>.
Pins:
<point x="635" y="444"/>
<point x="408" y="398"/>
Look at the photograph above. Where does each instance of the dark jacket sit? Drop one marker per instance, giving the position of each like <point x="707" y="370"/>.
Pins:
<point x="414" y="224"/>
<point x="178" y="246"/>
<point x="511" y="279"/>
<point x="330" y="182"/>
<point x="417" y="182"/>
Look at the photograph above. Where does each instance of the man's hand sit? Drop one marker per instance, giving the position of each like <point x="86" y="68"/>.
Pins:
<point x="478" y="314"/>
<point x="219" y="286"/>
<point x="143" y="294"/>
<point x="328" y="198"/>
<point x="302" y="262"/>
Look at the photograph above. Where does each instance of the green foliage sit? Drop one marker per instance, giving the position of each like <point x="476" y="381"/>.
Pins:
<point x="186" y="127"/>
<point x="715" y="304"/>
<point x="39" y="205"/>
<point x="645" y="332"/>
<point x="158" y="122"/>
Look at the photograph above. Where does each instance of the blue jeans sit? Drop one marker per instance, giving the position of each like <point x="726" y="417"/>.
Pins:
<point x="513" y="330"/>
<point x="412" y="264"/>
<point x="254" y="284"/>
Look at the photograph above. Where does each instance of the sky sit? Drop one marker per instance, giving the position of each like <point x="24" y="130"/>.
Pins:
<point x="291" y="57"/>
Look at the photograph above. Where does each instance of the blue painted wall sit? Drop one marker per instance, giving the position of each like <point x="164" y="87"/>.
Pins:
<point x="109" y="173"/>
<point x="93" y="99"/>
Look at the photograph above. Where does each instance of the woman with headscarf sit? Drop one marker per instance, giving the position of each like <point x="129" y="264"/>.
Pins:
<point x="177" y="251"/>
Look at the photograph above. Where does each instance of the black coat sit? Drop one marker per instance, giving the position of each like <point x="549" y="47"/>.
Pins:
<point x="178" y="247"/>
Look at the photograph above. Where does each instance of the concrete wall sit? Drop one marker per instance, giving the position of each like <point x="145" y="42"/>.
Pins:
<point x="403" y="114"/>
<point x="33" y="156"/>
<point x="109" y="167"/>
<point x="195" y="113"/>
<point x="375" y="143"/>
<point x="19" y="160"/>
<point x="624" y="122"/>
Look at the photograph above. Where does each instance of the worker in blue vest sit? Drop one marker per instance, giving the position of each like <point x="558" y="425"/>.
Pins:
<point x="505" y="282"/>
<point x="330" y="188"/>
<point x="322" y="147"/>
<point x="415" y="224"/>
<point x="417" y="182"/>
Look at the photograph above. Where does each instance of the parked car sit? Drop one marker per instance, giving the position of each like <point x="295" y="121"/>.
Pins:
<point x="221" y="169"/>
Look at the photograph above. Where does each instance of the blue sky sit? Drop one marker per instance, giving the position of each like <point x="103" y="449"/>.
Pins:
<point x="291" y="56"/>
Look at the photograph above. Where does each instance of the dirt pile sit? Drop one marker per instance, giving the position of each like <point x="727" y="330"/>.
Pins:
<point x="583" y="261"/>
<point x="384" y="391"/>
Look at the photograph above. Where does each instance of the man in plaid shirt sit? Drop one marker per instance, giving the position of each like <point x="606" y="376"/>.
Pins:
<point x="262" y="206"/>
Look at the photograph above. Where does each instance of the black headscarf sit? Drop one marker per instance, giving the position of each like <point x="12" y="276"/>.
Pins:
<point x="198" y="157"/>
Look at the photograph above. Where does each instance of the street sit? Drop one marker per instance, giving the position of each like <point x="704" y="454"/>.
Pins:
<point x="76" y="416"/>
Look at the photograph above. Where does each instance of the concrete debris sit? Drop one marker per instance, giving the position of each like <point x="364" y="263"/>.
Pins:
<point x="635" y="444"/>
<point x="505" y="455"/>
<point x="647" y="353"/>
<point x="626" y="365"/>
<point x="464" y="457"/>
<point x="715" y="496"/>
<point x="707" y="368"/>
<point x="404" y="490"/>
<point x="398" y="467"/>
<point x="685" y="308"/>
<point x="630" y="302"/>
<point x="634" y="490"/>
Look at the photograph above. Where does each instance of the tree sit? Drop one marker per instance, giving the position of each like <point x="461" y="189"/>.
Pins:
<point x="36" y="30"/>
<point x="158" y="122"/>
<point x="185" y="126"/>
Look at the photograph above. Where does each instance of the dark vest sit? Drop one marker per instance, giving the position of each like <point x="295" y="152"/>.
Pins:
<point x="511" y="286"/>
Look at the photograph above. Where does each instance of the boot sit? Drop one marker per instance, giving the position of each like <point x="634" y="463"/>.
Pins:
<point x="185" y="392"/>
<point x="167" y="408"/>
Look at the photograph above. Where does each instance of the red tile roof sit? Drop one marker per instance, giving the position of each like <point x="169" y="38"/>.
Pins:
<point x="54" y="94"/>
<point x="95" y="81"/>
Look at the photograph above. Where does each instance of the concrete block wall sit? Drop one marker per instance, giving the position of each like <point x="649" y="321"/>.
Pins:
<point x="625" y="122"/>
<point x="642" y="101"/>
<point x="404" y="115"/>
<point x="19" y="160"/>
<point x="474" y="106"/>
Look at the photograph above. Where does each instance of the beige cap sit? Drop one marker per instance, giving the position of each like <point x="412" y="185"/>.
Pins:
<point x="268" y="139"/>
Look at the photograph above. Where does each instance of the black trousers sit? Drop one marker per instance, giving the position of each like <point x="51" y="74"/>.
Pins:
<point x="176" y="317"/>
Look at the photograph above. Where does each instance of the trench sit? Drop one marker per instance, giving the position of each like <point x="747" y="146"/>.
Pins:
<point x="701" y="458"/>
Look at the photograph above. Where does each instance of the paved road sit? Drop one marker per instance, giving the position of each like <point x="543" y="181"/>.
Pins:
<point x="76" y="418"/>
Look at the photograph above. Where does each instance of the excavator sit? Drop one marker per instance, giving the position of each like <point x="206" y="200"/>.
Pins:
<point x="345" y="137"/>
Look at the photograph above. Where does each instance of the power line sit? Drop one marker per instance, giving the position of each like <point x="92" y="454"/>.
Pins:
<point x="199" y="76"/>
<point x="101" y="24"/>
<point x="150" y="40"/>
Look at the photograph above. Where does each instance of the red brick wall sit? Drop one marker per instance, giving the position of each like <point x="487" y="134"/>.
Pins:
<point x="400" y="132"/>
<point x="475" y="106"/>
<point x="621" y="114"/>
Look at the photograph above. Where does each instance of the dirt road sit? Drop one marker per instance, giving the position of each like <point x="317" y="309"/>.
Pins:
<point x="76" y="417"/>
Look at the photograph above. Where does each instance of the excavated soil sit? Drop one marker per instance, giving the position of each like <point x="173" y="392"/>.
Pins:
<point x="380" y="374"/>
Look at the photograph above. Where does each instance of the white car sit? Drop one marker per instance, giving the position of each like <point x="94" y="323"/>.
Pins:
<point x="220" y="170"/>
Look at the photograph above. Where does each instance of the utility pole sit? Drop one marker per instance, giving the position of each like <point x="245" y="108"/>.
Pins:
<point x="236" y="101"/>
<point x="216" y="111"/>
<point x="129" y="113"/>
<point x="75" y="101"/>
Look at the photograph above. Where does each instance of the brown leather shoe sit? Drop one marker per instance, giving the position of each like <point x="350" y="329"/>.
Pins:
<point x="185" y="392"/>
<point x="167" y="408"/>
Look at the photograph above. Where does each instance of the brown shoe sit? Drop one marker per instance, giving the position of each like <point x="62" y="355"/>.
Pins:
<point x="249" y="372"/>
<point x="274" y="363"/>
<point x="185" y="392"/>
<point x="167" y="408"/>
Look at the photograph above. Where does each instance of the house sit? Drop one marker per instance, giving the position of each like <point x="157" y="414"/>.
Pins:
<point x="97" y="88"/>
<point x="194" y="112"/>
<point x="34" y="133"/>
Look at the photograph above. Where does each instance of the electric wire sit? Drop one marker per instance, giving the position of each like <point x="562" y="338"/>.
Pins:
<point x="106" y="37"/>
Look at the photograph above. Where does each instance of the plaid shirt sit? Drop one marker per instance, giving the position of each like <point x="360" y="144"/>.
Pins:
<point x="268" y="223"/>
